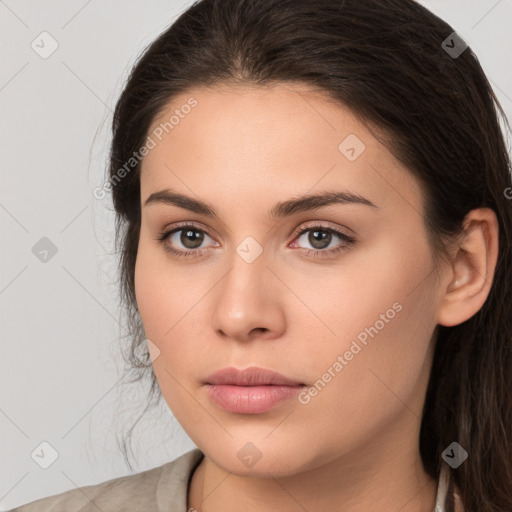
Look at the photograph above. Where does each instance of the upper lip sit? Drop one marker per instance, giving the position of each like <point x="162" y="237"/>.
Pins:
<point x="252" y="376"/>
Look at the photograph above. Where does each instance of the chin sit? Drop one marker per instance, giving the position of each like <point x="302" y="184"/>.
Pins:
<point x="259" y="457"/>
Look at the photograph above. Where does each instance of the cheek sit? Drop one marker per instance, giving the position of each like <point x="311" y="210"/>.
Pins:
<point x="169" y="303"/>
<point x="384" y="381"/>
<point x="159" y="295"/>
<point x="383" y="317"/>
<point x="148" y="292"/>
<point x="156" y="299"/>
<point x="163" y="314"/>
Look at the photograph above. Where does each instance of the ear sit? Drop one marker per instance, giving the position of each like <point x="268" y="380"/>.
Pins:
<point x="472" y="268"/>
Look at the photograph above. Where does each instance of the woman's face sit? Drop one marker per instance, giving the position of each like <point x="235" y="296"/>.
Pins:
<point x="353" y="321"/>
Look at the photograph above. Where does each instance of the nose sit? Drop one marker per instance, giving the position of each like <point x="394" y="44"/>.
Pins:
<point x="248" y="302"/>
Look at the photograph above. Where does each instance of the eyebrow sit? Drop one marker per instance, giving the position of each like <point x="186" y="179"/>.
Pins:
<point x="278" y="211"/>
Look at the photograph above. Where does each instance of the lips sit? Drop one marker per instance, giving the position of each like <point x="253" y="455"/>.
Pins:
<point x="252" y="376"/>
<point x="250" y="391"/>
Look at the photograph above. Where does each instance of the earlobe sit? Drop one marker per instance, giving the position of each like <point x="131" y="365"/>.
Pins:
<point x="472" y="269"/>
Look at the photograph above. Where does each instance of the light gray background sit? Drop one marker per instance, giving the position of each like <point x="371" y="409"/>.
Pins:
<point x="60" y="368"/>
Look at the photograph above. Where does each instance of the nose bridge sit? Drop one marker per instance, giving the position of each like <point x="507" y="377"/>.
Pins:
<point x="246" y="281"/>
<point x="244" y="299"/>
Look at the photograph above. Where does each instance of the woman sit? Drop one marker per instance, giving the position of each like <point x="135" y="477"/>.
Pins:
<point x="313" y="211"/>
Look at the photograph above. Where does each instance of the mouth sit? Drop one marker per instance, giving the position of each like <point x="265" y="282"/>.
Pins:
<point x="250" y="391"/>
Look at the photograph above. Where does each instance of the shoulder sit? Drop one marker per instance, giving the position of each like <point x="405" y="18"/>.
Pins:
<point x="160" y="488"/>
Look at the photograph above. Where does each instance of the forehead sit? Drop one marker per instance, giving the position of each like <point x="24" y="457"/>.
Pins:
<point x="252" y="113"/>
<point x="284" y="139"/>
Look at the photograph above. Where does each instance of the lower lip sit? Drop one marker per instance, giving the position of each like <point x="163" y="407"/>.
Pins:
<point x="250" y="399"/>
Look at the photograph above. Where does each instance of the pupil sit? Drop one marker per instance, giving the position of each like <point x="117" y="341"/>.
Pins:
<point x="322" y="238"/>
<point x="191" y="239"/>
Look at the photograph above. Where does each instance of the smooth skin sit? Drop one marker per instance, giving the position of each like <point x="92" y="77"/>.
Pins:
<point x="355" y="445"/>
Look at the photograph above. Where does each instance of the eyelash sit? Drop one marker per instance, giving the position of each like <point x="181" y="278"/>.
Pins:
<point x="196" y="253"/>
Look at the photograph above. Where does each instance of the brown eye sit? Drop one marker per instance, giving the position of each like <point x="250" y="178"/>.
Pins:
<point x="184" y="241"/>
<point x="319" y="239"/>
<point x="191" y="238"/>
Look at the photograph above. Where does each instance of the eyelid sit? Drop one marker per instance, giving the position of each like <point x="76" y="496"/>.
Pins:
<point x="322" y="224"/>
<point x="176" y="226"/>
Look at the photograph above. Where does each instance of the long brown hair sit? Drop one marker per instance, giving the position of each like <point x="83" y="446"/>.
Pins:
<point x="390" y="63"/>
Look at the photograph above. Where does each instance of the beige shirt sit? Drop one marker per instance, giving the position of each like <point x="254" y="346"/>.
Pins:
<point x="161" y="489"/>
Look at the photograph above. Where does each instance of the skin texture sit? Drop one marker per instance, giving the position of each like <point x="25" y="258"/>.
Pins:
<point x="244" y="149"/>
